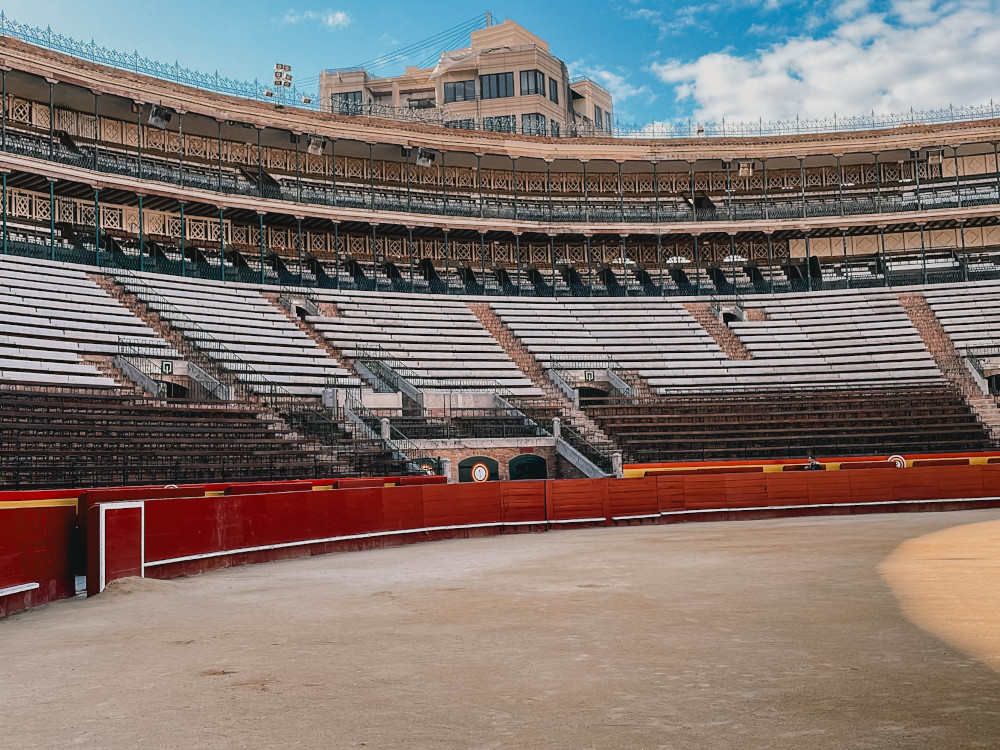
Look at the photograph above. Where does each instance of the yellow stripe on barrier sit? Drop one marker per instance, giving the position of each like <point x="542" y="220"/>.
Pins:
<point x="215" y="493"/>
<point x="318" y="487"/>
<point x="54" y="503"/>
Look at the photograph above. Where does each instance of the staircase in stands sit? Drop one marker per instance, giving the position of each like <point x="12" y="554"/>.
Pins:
<point x="527" y="363"/>
<point x="349" y="441"/>
<point x="319" y="339"/>
<point x="949" y="361"/>
<point x="726" y="340"/>
<point x="105" y="364"/>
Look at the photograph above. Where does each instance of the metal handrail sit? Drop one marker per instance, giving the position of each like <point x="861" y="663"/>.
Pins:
<point x="299" y="412"/>
<point x="535" y="208"/>
<point x="397" y="442"/>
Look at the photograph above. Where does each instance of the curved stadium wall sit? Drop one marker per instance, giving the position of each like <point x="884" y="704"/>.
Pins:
<point x="297" y="197"/>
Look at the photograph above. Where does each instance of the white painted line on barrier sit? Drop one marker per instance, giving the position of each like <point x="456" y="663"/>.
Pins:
<point x="326" y="540"/>
<point x="142" y="538"/>
<point x="20" y="589"/>
<point x="696" y="511"/>
<point x="456" y="527"/>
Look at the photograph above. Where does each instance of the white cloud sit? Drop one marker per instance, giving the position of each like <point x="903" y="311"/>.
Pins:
<point x="919" y="54"/>
<point x="615" y="82"/>
<point x="332" y="19"/>
<point x="684" y="17"/>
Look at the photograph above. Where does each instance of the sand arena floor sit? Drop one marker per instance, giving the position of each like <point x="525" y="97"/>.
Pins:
<point x="759" y="634"/>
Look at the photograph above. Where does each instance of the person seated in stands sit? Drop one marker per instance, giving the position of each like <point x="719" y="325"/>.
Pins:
<point x="814" y="465"/>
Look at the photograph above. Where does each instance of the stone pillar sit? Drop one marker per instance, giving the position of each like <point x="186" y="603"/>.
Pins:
<point x="616" y="465"/>
<point x="384" y="428"/>
<point x="556" y="428"/>
<point x="446" y="469"/>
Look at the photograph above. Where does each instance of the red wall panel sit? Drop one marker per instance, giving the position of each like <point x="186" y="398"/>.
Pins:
<point x="342" y="484"/>
<point x="577" y="498"/>
<point x="632" y="497"/>
<point x="350" y="511"/>
<point x="122" y="543"/>
<point x="746" y="490"/>
<point x="255" y="488"/>
<point x="959" y="481"/>
<point x="670" y="492"/>
<point x="35" y="546"/>
<point x="522" y="501"/>
<point x="402" y="508"/>
<point x="21" y="495"/>
<point x="470" y="502"/>
<point x="430" y="479"/>
<point x="828" y="487"/>
<point x="787" y="488"/>
<point x="991" y="480"/>
<point x="703" y="491"/>
<point x="915" y="484"/>
<point x="184" y="526"/>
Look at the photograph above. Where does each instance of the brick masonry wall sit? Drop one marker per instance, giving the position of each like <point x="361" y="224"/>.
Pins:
<point x="503" y="456"/>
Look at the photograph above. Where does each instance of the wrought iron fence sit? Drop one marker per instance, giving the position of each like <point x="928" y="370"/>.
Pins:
<point x="656" y="130"/>
<point x="133" y="61"/>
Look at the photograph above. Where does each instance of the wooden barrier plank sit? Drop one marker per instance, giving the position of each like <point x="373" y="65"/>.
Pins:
<point x="573" y="499"/>
<point x="828" y="487"/>
<point x="36" y="547"/>
<point x="787" y="488"/>
<point x="746" y="490"/>
<point x="257" y="488"/>
<point x="402" y="508"/>
<point x="959" y="481"/>
<point x="632" y="497"/>
<point x="522" y="501"/>
<point x="461" y="504"/>
<point x="704" y="491"/>
<point x="669" y="492"/>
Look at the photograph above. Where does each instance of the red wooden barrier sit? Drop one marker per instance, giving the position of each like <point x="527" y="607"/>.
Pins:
<point x="115" y="542"/>
<point x="193" y="533"/>
<point x="669" y="493"/>
<point x="36" y="545"/>
<point x="577" y="500"/>
<point x="704" y="491"/>
<point x="522" y="502"/>
<point x="707" y="470"/>
<point x="746" y="490"/>
<point x="429" y="479"/>
<point x="461" y="504"/>
<point x="256" y="488"/>
<point x="633" y="498"/>
<point x="879" y="465"/>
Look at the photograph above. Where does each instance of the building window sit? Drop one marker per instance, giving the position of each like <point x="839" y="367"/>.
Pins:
<point x="555" y="129"/>
<point x="607" y="121"/>
<point x="598" y="117"/>
<point x="461" y="124"/>
<point x="532" y="82"/>
<point x="554" y="90"/>
<point x="347" y="103"/>
<point x="533" y="124"/>
<point x="505" y="124"/>
<point x="497" y="85"/>
<point x="460" y="91"/>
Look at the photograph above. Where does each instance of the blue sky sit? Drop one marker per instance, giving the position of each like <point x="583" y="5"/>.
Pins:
<point x="663" y="61"/>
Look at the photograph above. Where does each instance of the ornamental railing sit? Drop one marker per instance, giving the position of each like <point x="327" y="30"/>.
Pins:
<point x="293" y="97"/>
<point x="133" y="61"/>
<point x="933" y="193"/>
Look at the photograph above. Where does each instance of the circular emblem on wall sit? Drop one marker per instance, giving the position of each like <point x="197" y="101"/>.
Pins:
<point x="898" y="460"/>
<point x="480" y="472"/>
